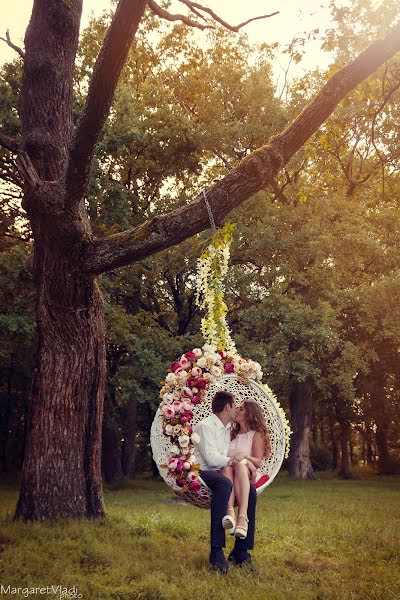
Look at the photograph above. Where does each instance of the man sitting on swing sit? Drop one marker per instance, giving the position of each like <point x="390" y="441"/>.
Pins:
<point x="212" y="455"/>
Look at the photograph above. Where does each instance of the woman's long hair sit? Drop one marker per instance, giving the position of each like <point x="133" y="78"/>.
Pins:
<point x="255" y="421"/>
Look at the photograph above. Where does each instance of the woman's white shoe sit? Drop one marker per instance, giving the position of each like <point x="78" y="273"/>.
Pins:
<point x="240" y="531"/>
<point x="228" y="521"/>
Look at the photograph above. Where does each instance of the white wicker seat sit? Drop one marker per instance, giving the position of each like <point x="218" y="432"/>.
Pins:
<point x="250" y="390"/>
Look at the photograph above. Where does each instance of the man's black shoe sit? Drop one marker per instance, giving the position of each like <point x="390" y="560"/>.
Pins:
<point x="240" y="558"/>
<point x="218" y="561"/>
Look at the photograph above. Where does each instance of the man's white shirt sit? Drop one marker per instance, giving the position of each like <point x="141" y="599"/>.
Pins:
<point x="211" y="453"/>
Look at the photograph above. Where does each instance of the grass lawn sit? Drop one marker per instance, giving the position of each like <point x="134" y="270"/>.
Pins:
<point x="322" y="540"/>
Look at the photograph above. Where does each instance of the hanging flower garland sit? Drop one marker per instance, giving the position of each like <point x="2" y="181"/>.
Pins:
<point x="189" y="378"/>
<point x="212" y="268"/>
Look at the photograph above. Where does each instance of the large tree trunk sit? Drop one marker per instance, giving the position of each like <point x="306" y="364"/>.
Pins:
<point x="299" y="464"/>
<point x="62" y="465"/>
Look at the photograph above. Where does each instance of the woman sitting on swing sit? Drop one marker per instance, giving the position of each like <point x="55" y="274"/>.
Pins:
<point x="250" y="443"/>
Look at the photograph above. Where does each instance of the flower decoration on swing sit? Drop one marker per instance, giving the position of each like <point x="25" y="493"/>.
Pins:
<point x="184" y="388"/>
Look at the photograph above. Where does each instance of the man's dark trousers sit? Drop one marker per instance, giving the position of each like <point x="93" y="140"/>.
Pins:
<point x="221" y="488"/>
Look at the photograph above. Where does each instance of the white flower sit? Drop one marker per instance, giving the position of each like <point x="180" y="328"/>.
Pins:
<point x="216" y="371"/>
<point x="170" y="378"/>
<point x="202" y="362"/>
<point x="197" y="352"/>
<point x="169" y="429"/>
<point x="195" y="438"/>
<point x="215" y="357"/>
<point x="168" y="397"/>
<point x="176" y="394"/>
<point x="209" y="348"/>
<point x="177" y="429"/>
<point x="183" y="440"/>
<point x="186" y="465"/>
<point x="191" y="460"/>
<point x="174" y="450"/>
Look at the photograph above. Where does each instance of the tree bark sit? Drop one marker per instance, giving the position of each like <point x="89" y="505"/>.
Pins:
<point x="299" y="464"/>
<point x="62" y="465"/>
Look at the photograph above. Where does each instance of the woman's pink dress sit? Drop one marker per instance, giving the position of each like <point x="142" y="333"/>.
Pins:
<point x="243" y="442"/>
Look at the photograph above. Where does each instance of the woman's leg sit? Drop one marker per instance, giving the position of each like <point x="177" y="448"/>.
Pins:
<point x="241" y="488"/>
<point x="228" y="472"/>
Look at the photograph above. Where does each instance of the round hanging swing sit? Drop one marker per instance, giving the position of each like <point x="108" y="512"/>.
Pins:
<point x="197" y="375"/>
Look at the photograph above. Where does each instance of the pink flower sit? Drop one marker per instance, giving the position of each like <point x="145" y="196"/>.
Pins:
<point x="183" y="420"/>
<point x="221" y="353"/>
<point x="177" y="406"/>
<point x="201" y="383"/>
<point x="190" y="356"/>
<point x="194" y="486"/>
<point x="190" y="381"/>
<point x="187" y="406"/>
<point x="180" y="482"/>
<point x="186" y="392"/>
<point x="175" y="366"/>
<point x="190" y="429"/>
<point x="191" y="476"/>
<point x="196" y="371"/>
<point x="196" y="400"/>
<point x="229" y="368"/>
<point x="172" y="463"/>
<point x="184" y="363"/>
<point x="188" y="414"/>
<point x="179" y="467"/>
<point x="168" y="410"/>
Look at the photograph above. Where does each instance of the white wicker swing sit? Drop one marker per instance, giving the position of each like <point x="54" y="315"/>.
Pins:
<point x="249" y="390"/>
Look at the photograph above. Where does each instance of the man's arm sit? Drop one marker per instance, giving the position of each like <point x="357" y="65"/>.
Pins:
<point x="208" y="449"/>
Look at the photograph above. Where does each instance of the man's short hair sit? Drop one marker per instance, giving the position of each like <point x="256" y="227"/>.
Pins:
<point x="220" y="400"/>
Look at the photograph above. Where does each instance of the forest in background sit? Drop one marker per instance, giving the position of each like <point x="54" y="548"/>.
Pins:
<point x="314" y="280"/>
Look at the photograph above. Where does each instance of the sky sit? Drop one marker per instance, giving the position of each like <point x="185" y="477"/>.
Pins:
<point x="294" y="18"/>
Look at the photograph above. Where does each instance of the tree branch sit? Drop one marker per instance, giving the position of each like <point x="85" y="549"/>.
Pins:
<point x="27" y="170"/>
<point x="8" y="41"/>
<point x="254" y="173"/>
<point x="102" y="86"/>
<point x="194" y="7"/>
<point x="164" y="14"/>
